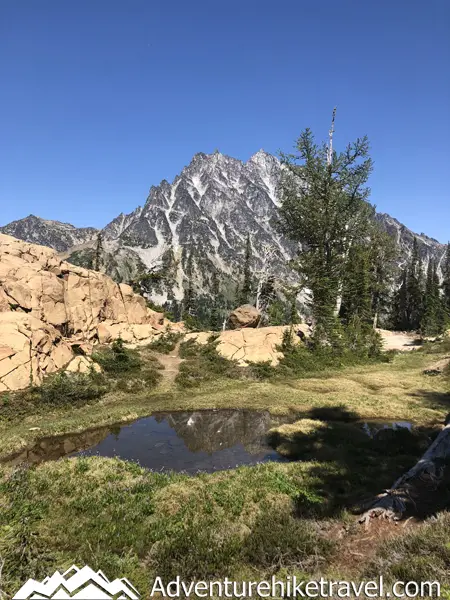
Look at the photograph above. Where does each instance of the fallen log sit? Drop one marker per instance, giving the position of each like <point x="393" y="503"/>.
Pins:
<point x="426" y="473"/>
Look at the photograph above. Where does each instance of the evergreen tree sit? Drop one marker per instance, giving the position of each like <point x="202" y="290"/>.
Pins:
<point x="429" y="316"/>
<point x="237" y="293"/>
<point x="98" y="262"/>
<point x="446" y="279"/>
<point x="382" y="255"/>
<point x="434" y="318"/>
<point x="441" y="315"/>
<point x="247" y="284"/>
<point x="324" y="209"/>
<point x="399" y="315"/>
<point x="356" y="296"/>
<point x="267" y="293"/>
<point x="189" y="291"/>
<point x="414" y="289"/>
<point x="218" y="302"/>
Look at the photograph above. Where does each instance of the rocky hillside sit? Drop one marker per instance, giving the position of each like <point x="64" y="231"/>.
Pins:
<point x="197" y="225"/>
<point x="60" y="236"/>
<point x="48" y="305"/>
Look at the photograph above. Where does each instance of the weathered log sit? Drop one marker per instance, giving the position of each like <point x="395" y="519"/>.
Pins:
<point x="428" y="471"/>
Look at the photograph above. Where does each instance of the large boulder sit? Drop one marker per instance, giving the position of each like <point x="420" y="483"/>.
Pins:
<point x="252" y="345"/>
<point x="47" y="305"/>
<point x="244" y="316"/>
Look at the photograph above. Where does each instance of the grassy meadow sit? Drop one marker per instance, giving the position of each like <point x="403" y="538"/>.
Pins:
<point x="248" y="523"/>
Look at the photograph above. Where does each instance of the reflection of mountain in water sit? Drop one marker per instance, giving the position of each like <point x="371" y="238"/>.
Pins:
<point x="211" y="431"/>
<point x="207" y="440"/>
<point x="52" y="448"/>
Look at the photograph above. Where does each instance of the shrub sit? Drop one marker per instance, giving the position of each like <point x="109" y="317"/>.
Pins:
<point x="166" y="343"/>
<point x="126" y="367"/>
<point x="71" y="388"/>
<point x="147" y="378"/>
<point x="57" y="390"/>
<point x="117" y="359"/>
<point x="261" y="370"/>
<point x="189" y="349"/>
<point x="203" y="364"/>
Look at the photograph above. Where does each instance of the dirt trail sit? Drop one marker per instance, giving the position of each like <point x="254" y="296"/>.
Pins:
<point x="399" y="340"/>
<point x="171" y="363"/>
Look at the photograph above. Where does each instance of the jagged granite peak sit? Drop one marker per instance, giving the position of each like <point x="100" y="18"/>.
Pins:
<point x="429" y="248"/>
<point x="207" y="212"/>
<point x="57" y="235"/>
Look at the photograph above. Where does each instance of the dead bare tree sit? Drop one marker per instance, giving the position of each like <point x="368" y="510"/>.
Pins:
<point x="2" y="592"/>
<point x="264" y="275"/>
<point x="427" y="472"/>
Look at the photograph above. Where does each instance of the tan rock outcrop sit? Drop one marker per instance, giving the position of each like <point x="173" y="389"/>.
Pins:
<point x="82" y="364"/>
<point x="29" y="349"/>
<point x="251" y="345"/>
<point x="47" y="304"/>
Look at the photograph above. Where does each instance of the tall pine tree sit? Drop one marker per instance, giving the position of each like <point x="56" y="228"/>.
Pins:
<point x="434" y="317"/>
<point x="428" y="321"/>
<point x="382" y="255"/>
<point x="189" y="291"/>
<point x="324" y="209"/>
<point x="415" y="289"/>
<point x="218" y="304"/>
<point x="245" y="293"/>
<point x="356" y="296"/>
<point x="399" y="317"/>
<point x="446" y="279"/>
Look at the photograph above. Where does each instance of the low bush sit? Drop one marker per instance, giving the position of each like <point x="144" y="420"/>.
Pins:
<point x="204" y="363"/>
<point x="57" y="390"/>
<point x="72" y="388"/>
<point x="146" y="378"/>
<point x="166" y="343"/>
<point x="260" y="371"/>
<point x="438" y="346"/>
<point x="126" y="367"/>
<point x="116" y="359"/>
<point x="303" y="361"/>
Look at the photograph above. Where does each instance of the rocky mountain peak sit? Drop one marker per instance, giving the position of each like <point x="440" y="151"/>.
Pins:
<point x="57" y="235"/>
<point x="206" y="213"/>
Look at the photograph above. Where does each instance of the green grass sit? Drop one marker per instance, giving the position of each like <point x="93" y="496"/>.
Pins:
<point x="123" y="519"/>
<point x="250" y="522"/>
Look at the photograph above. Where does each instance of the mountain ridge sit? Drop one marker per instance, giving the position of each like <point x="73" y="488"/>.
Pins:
<point x="196" y="226"/>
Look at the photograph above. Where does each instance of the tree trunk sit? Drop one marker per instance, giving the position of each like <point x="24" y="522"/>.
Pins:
<point x="426" y="473"/>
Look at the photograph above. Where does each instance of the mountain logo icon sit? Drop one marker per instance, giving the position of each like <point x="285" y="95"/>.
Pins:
<point x="84" y="584"/>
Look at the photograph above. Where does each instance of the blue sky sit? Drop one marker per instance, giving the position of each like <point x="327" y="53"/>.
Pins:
<point x="100" y="99"/>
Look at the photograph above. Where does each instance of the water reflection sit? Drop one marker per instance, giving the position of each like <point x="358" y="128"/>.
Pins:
<point x="373" y="429"/>
<point x="206" y="440"/>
